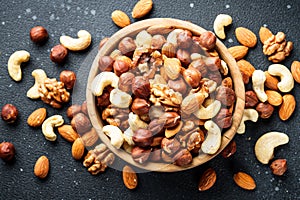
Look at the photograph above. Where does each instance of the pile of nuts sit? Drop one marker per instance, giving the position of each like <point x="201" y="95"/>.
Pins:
<point x="165" y="95"/>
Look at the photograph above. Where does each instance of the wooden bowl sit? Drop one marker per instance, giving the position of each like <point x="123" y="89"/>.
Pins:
<point x="133" y="29"/>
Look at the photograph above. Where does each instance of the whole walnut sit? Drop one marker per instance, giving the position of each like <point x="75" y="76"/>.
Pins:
<point x="141" y="87"/>
<point x="140" y="155"/>
<point x="226" y="95"/>
<point x="142" y="137"/>
<point x="125" y="82"/>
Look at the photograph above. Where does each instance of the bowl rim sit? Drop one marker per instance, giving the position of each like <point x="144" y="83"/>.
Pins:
<point x="133" y="29"/>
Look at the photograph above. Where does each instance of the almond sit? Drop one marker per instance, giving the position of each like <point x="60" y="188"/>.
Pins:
<point x="245" y="37"/>
<point x="246" y="67"/>
<point x="274" y="97"/>
<point x="244" y="180"/>
<point x="264" y="34"/>
<point x="238" y="52"/>
<point x="37" y="117"/>
<point x="90" y="137"/>
<point x="295" y="69"/>
<point x="41" y="167"/>
<point x="120" y="18"/>
<point x="78" y="149"/>
<point x="129" y="177"/>
<point x="159" y="29"/>
<point x="68" y="133"/>
<point x="287" y="107"/>
<point x="142" y="8"/>
<point x="271" y="81"/>
<point x="207" y="179"/>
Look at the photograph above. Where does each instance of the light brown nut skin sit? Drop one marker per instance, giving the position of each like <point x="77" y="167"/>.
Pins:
<point x="78" y="149"/>
<point x="244" y="180"/>
<point x="41" y="167"/>
<point x="279" y="167"/>
<point x="207" y="179"/>
<point x="37" y="117"/>
<point x="287" y="107"/>
<point x="130" y="178"/>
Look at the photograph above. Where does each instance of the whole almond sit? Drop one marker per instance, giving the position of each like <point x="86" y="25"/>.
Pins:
<point x="245" y="37"/>
<point x="159" y="29"/>
<point x="90" y="138"/>
<point x="120" y="18"/>
<point x="37" y="117"/>
<point x="264" y="34"/>
<point x="68" y="133"/>
<point x="238" y="52"/>
<point x="142" y="8"/>
<point x="78" y="149"/>
<point x="41" y="167"/>
<point x="246" y="67"/>
<point x="130" y="178"/>
<point x="207" y="179"/>
<point x="244" y="180"/>
<point x="274" y="97"/>
<point x="287" y="107"/>
<point x="271" y="81"/>
<point x="295" y="69"/>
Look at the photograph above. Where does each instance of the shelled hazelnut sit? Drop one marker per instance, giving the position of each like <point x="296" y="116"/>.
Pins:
<point x="58" y="53"/>
<point x="38" y="34"/>
<point x="9" y="113"/>
<point x="68" y="78"/>
<point x="7" y="151"/>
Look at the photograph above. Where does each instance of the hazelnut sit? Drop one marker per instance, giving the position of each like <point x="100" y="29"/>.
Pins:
<point x="171" y="119"/>
<point x="184" y="57"/>
<point x="155" y="155"/>
<point x="9" y="113"/>
<point x="68" y="78"/>
<point x="170" y="146"/>
<point x="183" y="158"/>
<point x="157" y="42"/>
<point x="169" y="50"/>
<point x="199" y="64"/>
<point x="265" y="110"/>
<point x="245" y="77"/>
<point x="207" y="40"/>
<point x="142" y="137"/>
<point x="227" y="82"/>
<point x="156" y="141"/>
<point x="229" y="150"/>
<point x="215" y="76"/>
<point x="58" y="53"/>
<point x="120" y="67"/>
<point x="7" y="151"/>
<point x="224" y="118"/>
<point x="105" y="63"/>
<point x="184" y="39"/>
<point x="251" y="99"/>
<point x="102" y="42"/>
<point x="127" y="46"/>
<point x="140" y="155"/>
<point x="213" y="63"/>
<point x="226" y="95"/>
<point x="103" y="100"/>
<point x="84" y="108"/>
<point x="38" y="34"/>
<point x="141" y="87"/>
<point x="279" y="167"/>
<point x="178" y="85"/>
<point x="73" y="110"/>
<point x="156" y="126"/>
<point x="192" y="77"/>
<point x="81" y="123"/>
<point x="125" y="81"/>
<point x="140" y="106"/>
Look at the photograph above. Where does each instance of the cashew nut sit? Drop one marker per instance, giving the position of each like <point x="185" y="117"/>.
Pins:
<point x="212" y="141"/>
<point x="224" y="68"/>
<point x="115" y="134"/>
<point x="102" y="80"/>
<point x="14" y="64"/>
<point x="128" y="133"/>
<point x="120" y="99"/>
<point x="82" y="42"/>
<point x="172" y="37"/>
<point x="40" y="76"/>
<point x="286" y="83"/>
<point x="219" y="23"/>
<point x="143" y="39"/>
<point x="258" y="80"/>
<point x="208" y="112"/>
<point x="265" y="145"/>
<point x="135" y="122"/>
<point x="249" y="114"/>
<point x="49" y="124"/>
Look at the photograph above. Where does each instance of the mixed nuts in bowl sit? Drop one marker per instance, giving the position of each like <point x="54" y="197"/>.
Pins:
<point x="165" y="95"/>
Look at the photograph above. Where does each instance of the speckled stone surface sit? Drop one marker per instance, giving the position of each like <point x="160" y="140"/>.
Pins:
<point x="68" y="179"/>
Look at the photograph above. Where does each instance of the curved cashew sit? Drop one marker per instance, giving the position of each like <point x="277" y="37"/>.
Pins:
<point x="115" y="134"/>
<point x="172" y="37"/>
<point x="82" y="42"/>
<point x="265" y="145"/>
<point x="143" y="39"/>
<point x="258" y="80"/>
<point x="40" y="76"/>
<point x="128" y="133"/>
<point x="208" y="112"/>
<point x="14" y="64"/>
<point x="249" y="114"/>
<point x="212" y="141"/>
<point x="120" y="99"/>
<point x="224" y="68"/>
<point x="49" y="124"/>
<point x="286" y="83"/>
<point x="212" y="86"/>
<point x="219" y="23"/>
<point x="102" y="80"/>
<point x="135" y="122"/>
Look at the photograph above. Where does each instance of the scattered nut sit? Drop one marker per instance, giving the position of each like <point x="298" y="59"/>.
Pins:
<point x="142" y="8"/>
<point x="295" y="69"/>
<point x="68" y="133"/>
<point x="258" y="79"/>
<point x="9" y="113"/>
<point x="115" y="134"/>
<point x="229" y="150"/>
<point x="271" y="82"/>
<point x="7" y="151"/>
<point x="68" y="78"/>
<point x="78" y="149"/>
<point x="39" y="76"/>
<point x="238" y="52"/>
<point x="49" y="124"/>
<point x="38" y="34"/>
<point x="207" y="179"/>
<point x="265" y="110"/>
<point x="220" y="22"/>
<point x="41" y="167"/>
<point x="249" y="114"/>
<point x="286" y="83"/>
<point x="279" y="167"/>
<point x="287" y="107"/>
<point x="14" y="64"/>
<point x="274" y="97"/>
<point x="82" y="42"/>
<point x="37" y="117"/>
<point x="58" y="53"/>
<point x="244" y="180"/>
<point x="130" y="178"/>
<point x="251" y="99"/>
<point x="120" y="18"/>
<point x="73" y="110"/>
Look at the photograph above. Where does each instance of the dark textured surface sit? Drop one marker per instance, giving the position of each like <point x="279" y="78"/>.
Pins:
<point x="68" y="179"/>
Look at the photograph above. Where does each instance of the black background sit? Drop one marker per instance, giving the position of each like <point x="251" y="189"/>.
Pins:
<point x="68" y="179"/>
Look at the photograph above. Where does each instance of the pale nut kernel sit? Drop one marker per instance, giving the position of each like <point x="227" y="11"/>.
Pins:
<point x="49" y="124"/>
<point x="39" y="76"/>
<point x="212" y="141"/>
<point x="209" y="111"/>
<point x="220" y="22"/>
<point x="249" y="114"/>
<point x="286" y="83"/>
<point x="120" y="99"/>
<point x="103" y="80"/>
<point x="115" y="134"/>
<point x="258" y="80"/>
<point x="172" y="67"/>
<point x="14" y="64"/>
<point x="37" y="117"/>
<point x="120" y="18"/>
<point x="77" y="44"/>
